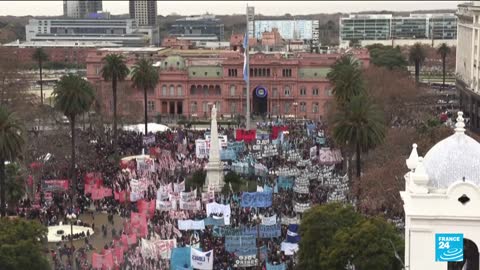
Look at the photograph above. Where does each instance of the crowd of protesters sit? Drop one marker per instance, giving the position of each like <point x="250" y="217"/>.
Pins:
<point x="174" y="154"/>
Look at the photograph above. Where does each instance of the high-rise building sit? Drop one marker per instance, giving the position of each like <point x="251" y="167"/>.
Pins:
<point x="80" y="9"/>
<point x="198" y="28"/>
<point x="144" y="12"/>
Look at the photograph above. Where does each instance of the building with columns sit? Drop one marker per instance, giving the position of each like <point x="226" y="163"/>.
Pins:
<point x="441" y="202"/>
<point x="294" y="84"/>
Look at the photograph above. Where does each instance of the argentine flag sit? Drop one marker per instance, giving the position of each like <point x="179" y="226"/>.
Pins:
<point x="245" y="55"/>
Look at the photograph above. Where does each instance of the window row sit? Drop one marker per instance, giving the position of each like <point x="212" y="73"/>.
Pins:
<point x="205" y="106"/>
<point x="171" y="91"/>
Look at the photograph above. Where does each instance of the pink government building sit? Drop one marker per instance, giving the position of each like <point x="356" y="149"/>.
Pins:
<point x="283" y="85"/>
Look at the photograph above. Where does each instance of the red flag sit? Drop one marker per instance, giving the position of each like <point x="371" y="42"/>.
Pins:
<point x="102" y="261"/>
<point x="118" y="255"/>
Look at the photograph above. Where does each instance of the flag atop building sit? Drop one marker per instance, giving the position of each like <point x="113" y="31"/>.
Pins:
<point x="245" y="55"/>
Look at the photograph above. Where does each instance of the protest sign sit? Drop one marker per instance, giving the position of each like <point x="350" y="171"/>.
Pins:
<point x="192" y="205"/>
<point x="201" y="260"/>
<point x="327" y="156"/>
<point x="289" y="248"/>
<point x="256" y="199"/>
<point x="290" y="220"/>
<point x="190" y="225"/>
<point x="166" y="205"/>
<point x="281" y="266"/>
<point x="201" y="150"/>
<point x="180" y="258"/>
<point x="245" y="135"/>
<point x="102" y="261"/>
<point x="263" y="231"/>
<point x="285" y="182"/>
<point x="313" y="153"/>
<point x="212" y="221"/>
<point x="188" y="196"/>
<point x="145" y="164"/>
<point x="148" y="140"/>
<point x="269" y="220"/>
<point x="54" y="185"/>
<point x="215" y="208"/>
<point x="179" y="187"/>
<point x="301" y="207"/>
<point x="234" y="243"/>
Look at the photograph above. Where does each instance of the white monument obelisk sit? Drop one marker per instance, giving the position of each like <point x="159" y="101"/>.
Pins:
<point x="214" y="167"/>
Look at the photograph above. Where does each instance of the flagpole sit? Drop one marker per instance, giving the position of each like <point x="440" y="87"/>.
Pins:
<point x="247" y="60"/>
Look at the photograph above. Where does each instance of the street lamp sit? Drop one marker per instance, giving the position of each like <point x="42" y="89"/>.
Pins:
<point x="71" y="217"/>
<point x="295" y="104"/>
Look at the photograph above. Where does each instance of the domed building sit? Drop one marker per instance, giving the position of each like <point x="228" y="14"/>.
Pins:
<point x="442" y="204"/>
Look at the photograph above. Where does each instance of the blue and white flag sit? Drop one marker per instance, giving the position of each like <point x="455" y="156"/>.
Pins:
<point x="292" y="234"/>
<point x="245" y="55"/>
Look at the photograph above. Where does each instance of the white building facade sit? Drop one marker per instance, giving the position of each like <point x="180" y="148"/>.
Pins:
<point x="467" y="61"/>
<point x="442" y="196"/>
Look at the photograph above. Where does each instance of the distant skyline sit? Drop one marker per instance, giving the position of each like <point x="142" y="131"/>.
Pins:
<point x="55" y="8"/>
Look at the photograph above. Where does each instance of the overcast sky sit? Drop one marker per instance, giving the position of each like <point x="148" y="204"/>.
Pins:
<point x="53" y="8"/>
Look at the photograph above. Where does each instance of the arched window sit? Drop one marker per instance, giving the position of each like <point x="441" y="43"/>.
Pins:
<point x="172" y="90"/>
<point x="179" y="90"/>
<point x="192" y="90"/>
<point x="232" y="90"/>
<point x="287" y="91"/>
<point x="164" y="90"/>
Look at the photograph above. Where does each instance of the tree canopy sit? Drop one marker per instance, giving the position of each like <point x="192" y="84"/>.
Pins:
<point x="21" y="245"/>
<point x="334" y="235"/>
<point x="387" y="56"/>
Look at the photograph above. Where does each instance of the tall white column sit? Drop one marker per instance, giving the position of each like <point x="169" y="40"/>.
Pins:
<point x="214" y="167"/>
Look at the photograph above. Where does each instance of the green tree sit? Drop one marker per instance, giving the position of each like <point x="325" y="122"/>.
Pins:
<point x="73" y="96"/>
<point x="14" y="185"/>
<point x="372" y="243"/>
<point x="145" y="77"/>
<point x="386" y="56"/>
<point x="346" y="77"/>
<point x="114" y="69"/>
<point x="233" y="179"/>
<point x="359" y="124"/>
<point x="11" y="144"/>
<point x="417" y="56"/>
<point x="443" y="51"/>
<point x="317" y="231"/>
<point x="40" y="56"/>
<point x="196" y="180"/>
<point x="21" y="245"/>
<point x="334" y="235"/>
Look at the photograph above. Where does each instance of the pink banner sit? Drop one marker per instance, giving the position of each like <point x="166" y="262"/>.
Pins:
<point x="55" y="185"/>
<point x="102" y="261"/>
<point x="118" y="255"/>
<point x="146" y="207"/>
<point x="276" y="130"/>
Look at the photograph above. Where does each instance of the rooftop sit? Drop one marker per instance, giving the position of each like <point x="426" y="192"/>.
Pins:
<point x="62" y="44"/>
<point x="133" y="49"/>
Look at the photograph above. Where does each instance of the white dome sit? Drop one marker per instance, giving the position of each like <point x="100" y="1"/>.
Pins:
<point x="452" y="159"/>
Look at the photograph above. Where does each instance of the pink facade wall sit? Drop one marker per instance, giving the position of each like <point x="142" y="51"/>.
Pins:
<point x="203" y="92"/>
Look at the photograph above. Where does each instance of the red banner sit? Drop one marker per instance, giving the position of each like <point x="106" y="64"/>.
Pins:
<point x="102" y="261"/>
<point x="118" y="255"/>
<point x="276" y="130"/>
<point x="138" y="223"/>
<point x="245" y="135"/>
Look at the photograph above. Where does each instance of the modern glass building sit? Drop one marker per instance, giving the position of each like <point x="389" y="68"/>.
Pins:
<point x="388" y="27"/>
<point x="205" y="27"/>
<point x="288" y="29"/>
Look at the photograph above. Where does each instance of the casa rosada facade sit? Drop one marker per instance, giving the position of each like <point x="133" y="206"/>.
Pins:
<point x="190" y="81"/>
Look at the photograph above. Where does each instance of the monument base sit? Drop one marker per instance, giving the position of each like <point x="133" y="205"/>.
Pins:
<point x="214" y="177"/>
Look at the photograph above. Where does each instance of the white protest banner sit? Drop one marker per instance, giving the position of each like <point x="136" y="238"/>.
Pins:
<point x="329" y="156"/>
<point x="223" y="141"/>
<point x="301" y="207"/>
<point x="145" y="164"/>
<point x="164" y="247"/>
<point x="148" y="139"/>
<point x="289" y="248"/>
<point x="179" y="187"/>
<point x="313" y="153"/>
<point x="188" y="196"/>
<point x="290" y="220"/>
<point x="201" y="150"/>
<point x="166" y="205"/>
<point x="207" y="196"/>
<point x="216" y="208"/>
<point x="269" y="220"/>
<point x="162" y="195"/>
<point x="186" y="225"/>
<point x="201" y="260"/>
<point x="193" y="205"/>
<point x="137" y="190"/>
<point x="148" y="249"/>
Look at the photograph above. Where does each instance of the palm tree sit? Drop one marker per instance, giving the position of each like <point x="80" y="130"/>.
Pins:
<point x="144" y="76"/>
<point x="443" y="51"/>
<point x="114" y="70"/>
<point x="11" y="144"/>
<point x="417" y="57"/>
<point x="359" y="124"/>
<point x="73" y="96"/>
<point x="346" y="77"/>
<point x="40" y="56"/>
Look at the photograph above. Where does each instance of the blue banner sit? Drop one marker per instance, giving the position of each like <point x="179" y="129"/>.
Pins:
<point x="310" y="129"/>
<point x="227" y="154"/>
<point x="256" y="199"/>
<point x="281" y="266"/>
<point x="292" y="234"/>
<point x="234" y="243"/>
<point x="210" y="221"/>
<point x="238" y="147"/>
<point x="180" y="258"/>
<point x="285" y="182"/>
<point x="264" y="231"/>
<point x="320" y="140"/>
<point x="267" y="188"/>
